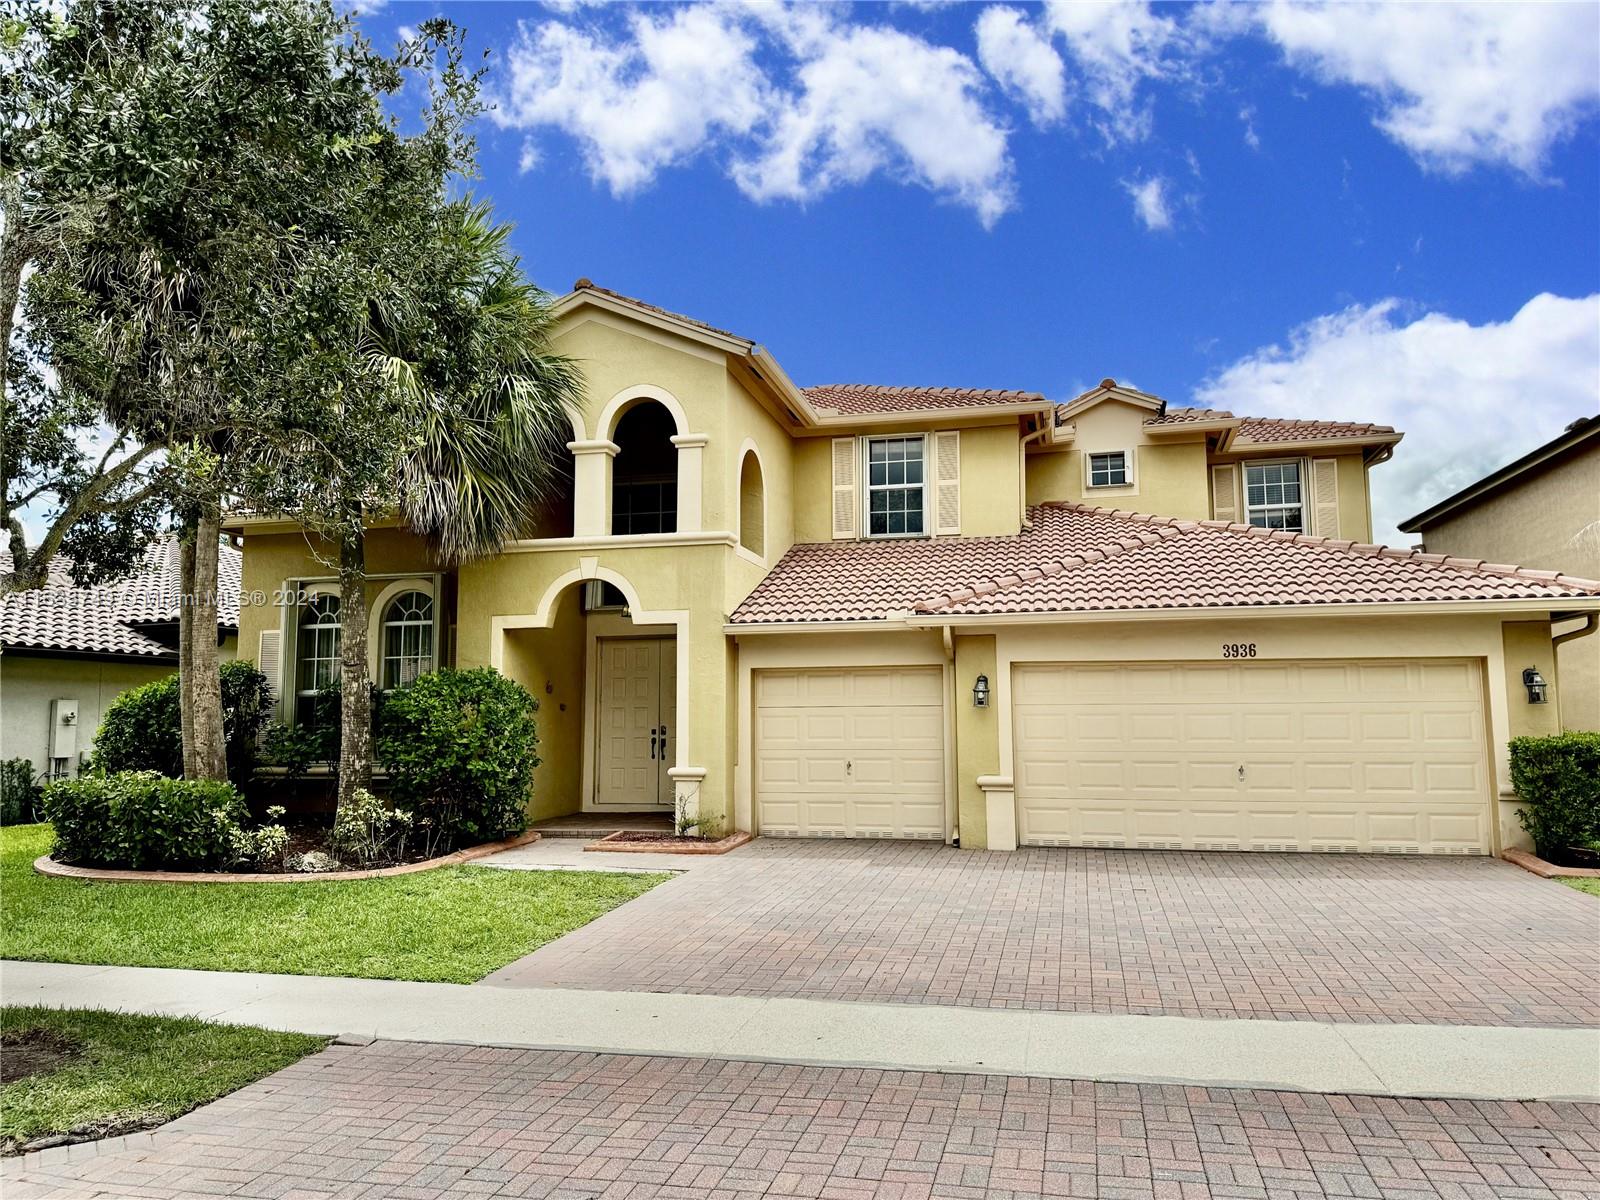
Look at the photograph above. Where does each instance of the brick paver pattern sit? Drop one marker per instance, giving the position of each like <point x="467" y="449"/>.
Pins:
<point x="409" y="1121"/>
<point x="1467" y="941"/>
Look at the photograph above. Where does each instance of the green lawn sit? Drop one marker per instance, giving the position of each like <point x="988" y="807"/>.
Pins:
<point x="451" y="925"/>
<point x="1592" y="886"/>
<point x="122" y="1070"/>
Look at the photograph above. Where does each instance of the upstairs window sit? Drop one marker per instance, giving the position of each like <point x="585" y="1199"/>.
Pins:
<point x="895" y="490"/>
<point x="407" y="638"/>
<point x="1109" y="469"/>
<point x="644" y="475"/>
<point x="1272" y="496"/>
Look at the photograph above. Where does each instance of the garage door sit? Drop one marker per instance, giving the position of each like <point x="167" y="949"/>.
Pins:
<point x="1383" y="756"/>
<point x="850" y="753"/>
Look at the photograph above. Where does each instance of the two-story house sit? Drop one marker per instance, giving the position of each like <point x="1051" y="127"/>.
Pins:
<point x="856" y="611"/>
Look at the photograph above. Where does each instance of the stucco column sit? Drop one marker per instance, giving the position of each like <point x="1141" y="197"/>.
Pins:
<point x="591" y="493"/>
<point x="691" y="484"/>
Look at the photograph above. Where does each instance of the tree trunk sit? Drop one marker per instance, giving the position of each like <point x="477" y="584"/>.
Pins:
<point x="186" y="666"/>
<point x="205" y="690"/>
<point x="355" y="692"/>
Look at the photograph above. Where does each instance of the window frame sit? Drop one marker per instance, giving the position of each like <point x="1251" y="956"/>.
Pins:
<point x="305" y="697"/>
<point x="868" y="487"/>
<point x="1088" y="469"/>
<point x="1251" y="510"/>
<point x="429" y="623"/>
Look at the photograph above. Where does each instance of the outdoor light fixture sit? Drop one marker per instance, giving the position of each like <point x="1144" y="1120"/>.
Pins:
<point x="1538" y="689"/>
<point x="980" y="692"/>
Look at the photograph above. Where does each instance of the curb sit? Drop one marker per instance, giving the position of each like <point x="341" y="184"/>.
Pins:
<point x="1548" y="870"/>
<point x="46" y="865"/>
<point x="732" y="842"/>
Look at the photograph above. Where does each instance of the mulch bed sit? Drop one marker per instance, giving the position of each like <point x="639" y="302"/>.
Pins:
<point x="34" y="1051"/>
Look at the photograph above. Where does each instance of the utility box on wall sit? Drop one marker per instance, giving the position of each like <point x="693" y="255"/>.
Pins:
<point x="63" y="730"/>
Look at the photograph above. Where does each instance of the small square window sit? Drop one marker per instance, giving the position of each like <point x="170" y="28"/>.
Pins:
<point x="1109" y="469"/>
<point x="1272" y="496"/>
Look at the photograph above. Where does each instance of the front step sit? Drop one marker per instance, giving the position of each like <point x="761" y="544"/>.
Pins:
<point x="593" y="826"/>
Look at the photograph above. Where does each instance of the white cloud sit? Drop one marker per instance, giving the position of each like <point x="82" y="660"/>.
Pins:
<point x="836" y="104"/>
<point x="639" y="104"/>
<point x="529" y="157"/>
<point x="1468" y="397"/>
<point x="1457" y="85"/>
<point x="1023" y="63"/>
<point x="1117" y="47"/>
<point x="1151" y="203"/>
<point x="877" y="100"/>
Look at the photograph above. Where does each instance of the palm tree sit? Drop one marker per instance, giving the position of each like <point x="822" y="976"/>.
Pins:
<point x="493" y="401"/>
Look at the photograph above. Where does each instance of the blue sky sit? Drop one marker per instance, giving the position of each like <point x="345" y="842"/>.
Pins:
<point x="1387" y="214"/>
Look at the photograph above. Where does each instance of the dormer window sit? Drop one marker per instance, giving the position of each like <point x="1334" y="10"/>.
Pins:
<point x="895" y="491"/>
<point x="1109" y="468"/>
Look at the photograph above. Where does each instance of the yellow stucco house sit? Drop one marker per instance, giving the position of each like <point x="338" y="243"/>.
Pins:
<point x="854" y="611"/>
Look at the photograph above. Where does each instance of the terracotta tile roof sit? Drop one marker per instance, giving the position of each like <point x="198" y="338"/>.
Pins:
<point x="1282" y="429"/>
<point x="104" y="619"/>
<point x="1081" y="559"/>
<point x="1262" y="430"/>
<point x="1187" y="416"/>
<point x="864" y="399"/>
<point x="588" y="285"/>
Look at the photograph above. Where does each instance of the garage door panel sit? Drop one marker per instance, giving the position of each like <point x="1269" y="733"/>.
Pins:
<point x="1338" y="755"/>
<point x="850" y="753"/>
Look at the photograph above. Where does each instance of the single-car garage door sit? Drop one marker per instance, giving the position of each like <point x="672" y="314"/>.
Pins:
<point x="1381" y="756"/>
<point x="850" y="753"/>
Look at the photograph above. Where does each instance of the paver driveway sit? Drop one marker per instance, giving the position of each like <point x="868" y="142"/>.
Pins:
<point x="407" y="1121"/>
<point x="1296" y="937"/>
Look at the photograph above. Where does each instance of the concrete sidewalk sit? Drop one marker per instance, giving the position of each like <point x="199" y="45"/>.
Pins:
<point x="1466" y="1062"/>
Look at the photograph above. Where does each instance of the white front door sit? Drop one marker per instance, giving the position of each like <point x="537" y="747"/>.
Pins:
<point x="635" y="710"/>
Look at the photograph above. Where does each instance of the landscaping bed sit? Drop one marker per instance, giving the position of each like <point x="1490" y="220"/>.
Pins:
<point x="71" y="1075"/>
<point x="455" y="924"/>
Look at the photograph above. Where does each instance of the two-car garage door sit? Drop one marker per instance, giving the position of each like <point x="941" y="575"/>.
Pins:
<point x="1387" y="756"/>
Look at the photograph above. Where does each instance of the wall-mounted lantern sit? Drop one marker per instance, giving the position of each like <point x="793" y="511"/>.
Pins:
<point x="1538" y="689"/>
<point x="980" y="692"/>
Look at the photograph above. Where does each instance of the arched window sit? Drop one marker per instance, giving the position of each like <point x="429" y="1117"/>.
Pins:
<point x="644" y="475"/>
<point x="752" y="505"/>
<point x="317" y="652"/>
<point x="407" y="639"/>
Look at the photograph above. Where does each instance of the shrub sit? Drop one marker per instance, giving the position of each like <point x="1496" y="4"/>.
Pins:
<point x="266" y="847"/>
<point x="367" y="832"/>
<point x="1558" y="778"/>
<point x="19" y="792"/>
<point x="142" y="730"/>
<point x="142" y="821"/>
<point x="459" y="747"/>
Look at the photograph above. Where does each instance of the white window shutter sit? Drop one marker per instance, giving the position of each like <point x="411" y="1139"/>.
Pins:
<point x="846" y="505"/>
<point x="947" y="482"/>
<point x="269" y="660"/>
<point x="1325" y="497"/>
<point x="1225" y="492"/>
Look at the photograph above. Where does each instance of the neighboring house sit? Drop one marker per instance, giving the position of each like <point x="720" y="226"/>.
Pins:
<point x="1543" y="511"/>
<point x="66" y="652"/>
<point x="856" y="611"/>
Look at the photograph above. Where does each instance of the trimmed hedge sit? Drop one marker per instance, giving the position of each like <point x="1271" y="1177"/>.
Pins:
<point x="1558" y="778"/>
<point x="142" y="730"/>
<point x="139" y="820"/>
<point x="459" y="747"/>
<point x="19" y="792"/>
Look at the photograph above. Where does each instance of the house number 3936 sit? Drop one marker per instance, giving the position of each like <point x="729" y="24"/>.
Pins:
<point x="1238" y="649"/>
